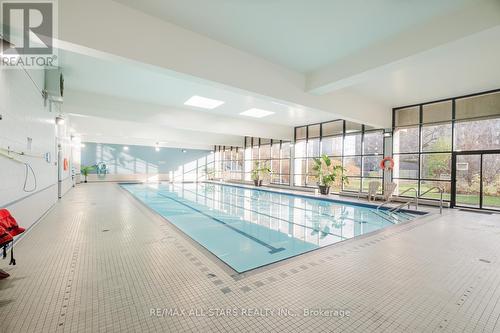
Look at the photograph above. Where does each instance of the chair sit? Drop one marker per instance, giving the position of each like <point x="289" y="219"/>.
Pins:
<point x="389" y="190"/>
<point x="372" y="190"/>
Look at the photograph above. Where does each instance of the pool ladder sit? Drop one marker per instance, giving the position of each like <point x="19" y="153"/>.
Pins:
<point x="415" y="199"/>
<point x="392" y="217"/>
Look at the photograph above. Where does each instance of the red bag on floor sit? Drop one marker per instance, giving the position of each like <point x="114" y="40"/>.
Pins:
<point x="8" y="229"/>
<point x="9" y="223"/>
<point x="5" y="237"/>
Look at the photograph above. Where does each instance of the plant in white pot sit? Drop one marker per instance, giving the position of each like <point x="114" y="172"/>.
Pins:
<point x="328" y="174"/>
<point x="259" y="172"/>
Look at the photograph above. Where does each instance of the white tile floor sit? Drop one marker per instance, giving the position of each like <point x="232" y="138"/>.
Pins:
<point x="100" y="262"/>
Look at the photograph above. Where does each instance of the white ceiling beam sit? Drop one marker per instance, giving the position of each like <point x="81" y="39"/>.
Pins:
<point x="111" y="107"/>
<point x="379" y="58"/>
<point x="105" y="130"/>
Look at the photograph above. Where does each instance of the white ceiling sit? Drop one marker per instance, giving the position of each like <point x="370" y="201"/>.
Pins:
<point x="153" y="85"/>
<point x="303" y="35"/>
<point x="368" y="48"/>
<point x="462" y="67"/>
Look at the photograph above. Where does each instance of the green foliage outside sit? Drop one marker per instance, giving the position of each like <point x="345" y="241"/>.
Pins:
<point x="438" y="166"/>
<point x="326" y="173"/>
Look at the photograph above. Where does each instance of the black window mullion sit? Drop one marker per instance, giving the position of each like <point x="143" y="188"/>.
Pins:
<point x="453" y="111"/>
<point x="481" y="181"/>
<point x="343" y="151"/>
<point x="361" y="159"/>
<point x="420" y="121"/>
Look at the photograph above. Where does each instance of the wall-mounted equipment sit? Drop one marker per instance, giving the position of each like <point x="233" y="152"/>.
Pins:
<point x="19" y="157"/>
<point x="5" y="44"/>
<point x="54" y="84"/>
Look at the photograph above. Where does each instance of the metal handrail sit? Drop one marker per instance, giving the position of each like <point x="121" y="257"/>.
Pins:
<point x="381" y="216"/>
<point x="416" y="196"/>
<point x="406" y="203"/>
<point x="395" y="209"/>
<point x="441" y="191"/>
<point x="383" y="204"/>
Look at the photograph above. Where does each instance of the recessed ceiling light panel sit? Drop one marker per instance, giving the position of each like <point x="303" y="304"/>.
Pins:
<point x="203" y="102"/>
<point x="257" y="113"/>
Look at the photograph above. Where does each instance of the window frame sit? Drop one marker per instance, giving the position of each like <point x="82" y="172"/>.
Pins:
<point x="363" y="129"/>
<point x="453" y="121"/>
<point x="276" y="173"/>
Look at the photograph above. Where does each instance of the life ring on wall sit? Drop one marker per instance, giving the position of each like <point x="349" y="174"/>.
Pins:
<point x="383" y="163"/>
<point x="65" y="164"/>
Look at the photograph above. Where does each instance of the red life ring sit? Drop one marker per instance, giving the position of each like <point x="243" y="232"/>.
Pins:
<point x="65" y="164"/>
<point x="383" y="165"/>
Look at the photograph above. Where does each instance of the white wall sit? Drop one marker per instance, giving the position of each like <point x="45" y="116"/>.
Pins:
<point x="24" y="116"/>
<point x="145" y="163"/>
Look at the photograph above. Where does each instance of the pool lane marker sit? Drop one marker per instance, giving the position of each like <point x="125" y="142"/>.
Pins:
<point x="270" y="247"/>
<point x="267" y="215"/>
<point x="257" y="200"/>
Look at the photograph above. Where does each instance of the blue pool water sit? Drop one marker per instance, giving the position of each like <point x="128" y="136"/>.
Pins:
<point x="247" y="228"/>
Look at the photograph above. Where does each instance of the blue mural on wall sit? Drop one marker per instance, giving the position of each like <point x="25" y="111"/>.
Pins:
<point x="116" y="159"/>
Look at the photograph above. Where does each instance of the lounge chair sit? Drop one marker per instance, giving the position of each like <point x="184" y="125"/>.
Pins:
<point x="389" y="190"/>
<point x="373" y="187"/>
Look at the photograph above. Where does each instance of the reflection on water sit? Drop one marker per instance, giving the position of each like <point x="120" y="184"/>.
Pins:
<point x="248" y="228"/>
<point x="315" y="221"/>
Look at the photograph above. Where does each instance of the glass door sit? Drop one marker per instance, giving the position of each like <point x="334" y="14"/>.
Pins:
<point x="477" y="180"/>
<point x="491" y="181"/>
<point x="468" y="181"/>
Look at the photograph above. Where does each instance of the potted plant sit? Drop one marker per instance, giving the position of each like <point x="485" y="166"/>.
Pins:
<point x="210" y="173"/>
<point x="86" y="169"/>
<point x="328" y="174"/>
<point x="258" y="173"/>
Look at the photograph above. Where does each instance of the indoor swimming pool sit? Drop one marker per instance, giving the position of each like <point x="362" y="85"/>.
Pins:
<point x="248" y="228"/>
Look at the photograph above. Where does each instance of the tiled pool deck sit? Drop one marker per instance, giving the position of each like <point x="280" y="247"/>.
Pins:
<point x="101" y="262"/>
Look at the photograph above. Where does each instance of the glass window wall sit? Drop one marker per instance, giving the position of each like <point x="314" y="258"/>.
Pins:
<point x="425" y="137"/>
<point x="356" y="147"/>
